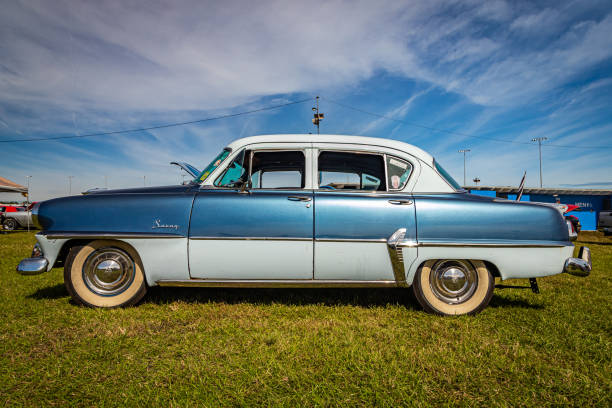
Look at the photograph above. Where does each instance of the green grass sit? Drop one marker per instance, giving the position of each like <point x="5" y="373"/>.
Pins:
<point x="291" y="347"/>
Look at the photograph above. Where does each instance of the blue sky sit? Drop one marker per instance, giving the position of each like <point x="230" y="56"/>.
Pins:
<point x="497" y="70"/>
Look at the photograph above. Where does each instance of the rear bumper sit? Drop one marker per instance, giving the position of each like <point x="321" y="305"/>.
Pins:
<point x="580" y="266"/>
<point x="32" y="266"/>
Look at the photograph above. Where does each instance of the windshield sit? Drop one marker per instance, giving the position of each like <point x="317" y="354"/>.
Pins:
<point x="447" y="176"/>
<point x="212" y="166"/>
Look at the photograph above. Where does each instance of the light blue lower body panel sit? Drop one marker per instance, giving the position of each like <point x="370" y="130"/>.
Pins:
<point x="251" y="259"/>
<point x="512" y="262"/>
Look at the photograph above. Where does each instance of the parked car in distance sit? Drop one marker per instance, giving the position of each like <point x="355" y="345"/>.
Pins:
<point x="572" y="218"/>
<point x="8" y="208"/>
<point x="605" y="221"/>
<point x="575" y="222"/>
<point x="303" y="211"/>
<point x="21" y="218"/>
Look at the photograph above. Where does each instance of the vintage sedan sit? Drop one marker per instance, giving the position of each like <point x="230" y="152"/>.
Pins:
<point x="303" y="211"/>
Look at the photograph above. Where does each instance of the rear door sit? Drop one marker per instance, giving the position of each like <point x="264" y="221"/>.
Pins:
<point x="359" y="206"/>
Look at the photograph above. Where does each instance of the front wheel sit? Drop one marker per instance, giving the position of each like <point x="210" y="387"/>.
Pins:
<point x="104" y="273"/>
<point x="453" y="286"/>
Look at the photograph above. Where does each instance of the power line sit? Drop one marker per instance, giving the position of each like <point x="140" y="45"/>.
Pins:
<point x="116" y="132"/>
<point x="451" y="132"/>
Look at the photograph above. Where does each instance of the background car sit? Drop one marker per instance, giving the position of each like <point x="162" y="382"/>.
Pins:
<point x="605" y="221"/>
<point x="19" y="218"/>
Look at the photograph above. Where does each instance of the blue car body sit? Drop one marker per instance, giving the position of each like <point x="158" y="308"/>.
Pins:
<point x="309" y="234"/>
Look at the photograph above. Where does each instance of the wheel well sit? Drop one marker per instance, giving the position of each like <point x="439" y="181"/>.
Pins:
<point x="493" y="269"/>
<point x="68" y="245"/>
<point x="490" y="266"/>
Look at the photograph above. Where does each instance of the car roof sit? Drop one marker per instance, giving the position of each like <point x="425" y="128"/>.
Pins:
<point x="340" y="139"/>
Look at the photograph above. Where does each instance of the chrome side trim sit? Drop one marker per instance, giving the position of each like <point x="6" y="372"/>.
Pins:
<point x="518" y="244"/>
<point x="399" y="242"/>
<point x="396" y="255"/>
<point x="118" y="235"/>
<point x="377" y="240"/>
<point x="373" y="240"/>
<point x="196" y="237"/>
<point x="32" y="266"/>
<point x="265" y="283"/>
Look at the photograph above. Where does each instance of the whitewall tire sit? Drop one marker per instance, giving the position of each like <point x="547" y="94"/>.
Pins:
<point x="104" y="273"/>
<point x="453" y="286"/>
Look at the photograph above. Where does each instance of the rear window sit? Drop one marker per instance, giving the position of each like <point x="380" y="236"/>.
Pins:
<point x="351" y="171"/>
<point x="447" y="176"/>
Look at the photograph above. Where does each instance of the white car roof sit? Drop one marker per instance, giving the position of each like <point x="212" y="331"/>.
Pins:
<point x="342" y="139"/>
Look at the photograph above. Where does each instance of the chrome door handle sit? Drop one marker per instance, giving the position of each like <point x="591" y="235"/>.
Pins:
<point x="299" y="198"/>
<point x="400" y="202"/>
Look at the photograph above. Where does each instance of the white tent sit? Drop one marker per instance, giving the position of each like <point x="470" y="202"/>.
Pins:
<point x="7" y="186"/>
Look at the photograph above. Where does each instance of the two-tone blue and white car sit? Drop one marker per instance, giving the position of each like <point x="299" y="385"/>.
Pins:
<point x="303" y="211"/>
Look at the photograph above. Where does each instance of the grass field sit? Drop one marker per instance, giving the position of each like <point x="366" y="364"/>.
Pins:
<point x="290" y="347"/>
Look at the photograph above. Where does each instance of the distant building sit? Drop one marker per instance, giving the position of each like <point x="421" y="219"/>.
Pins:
<point x="591" y="202"/>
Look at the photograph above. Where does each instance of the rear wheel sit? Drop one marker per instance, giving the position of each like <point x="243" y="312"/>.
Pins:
<point x="104" y="274"/>
<point x="453" y="286"/>
<point x="9" y="224"/>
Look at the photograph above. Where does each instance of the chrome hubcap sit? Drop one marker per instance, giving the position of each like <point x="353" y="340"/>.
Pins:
<point x="453" y="281"/>
<point x="108" y="271"/>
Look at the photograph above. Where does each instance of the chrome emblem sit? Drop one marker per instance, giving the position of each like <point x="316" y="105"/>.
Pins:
<point x="157" y="224"/>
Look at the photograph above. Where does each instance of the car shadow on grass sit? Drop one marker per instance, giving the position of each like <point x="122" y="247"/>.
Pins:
<point x="294" y="297"/>
<point x="498" y="301"/>
<point x="50" y="292"/>
<point x="311" y="296"/>
<point x="288" y="296"/>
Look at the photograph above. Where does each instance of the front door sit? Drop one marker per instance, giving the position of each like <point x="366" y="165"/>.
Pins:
<point x="261" y="230"/>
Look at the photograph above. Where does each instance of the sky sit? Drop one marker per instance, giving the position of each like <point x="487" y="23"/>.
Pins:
<point x="481" y="75"/>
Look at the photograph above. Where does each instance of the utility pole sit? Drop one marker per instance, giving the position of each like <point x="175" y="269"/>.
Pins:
<point x="464" y="151"/>
<point x="70" y="185"/>
<point x="28" y="179"/>
<point x="318" y="117"/>
<point x="144" y="181"/>
<point x="540" y="140"/>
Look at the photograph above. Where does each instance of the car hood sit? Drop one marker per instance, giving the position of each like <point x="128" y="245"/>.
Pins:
<point x="144" y="190"/>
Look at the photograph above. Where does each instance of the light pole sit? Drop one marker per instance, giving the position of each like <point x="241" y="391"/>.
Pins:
<point x="540" y="140"/>
<point x="144" y="181"/>
<point x="318" y="117"/>
<point x="28" y="180"/>
<point x="70" y="185"/>
<point x="464" y="151"/>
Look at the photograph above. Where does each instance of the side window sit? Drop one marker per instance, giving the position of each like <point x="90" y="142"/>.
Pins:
<point x="398" y="171"/>
<point x="351" y="171"/>
<point x="235" y="173"/>
<point x="283" y="169"/>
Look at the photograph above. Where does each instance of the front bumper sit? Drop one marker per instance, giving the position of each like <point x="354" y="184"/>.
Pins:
<point x="32" y="266"/>
<point x="580" y="266"/>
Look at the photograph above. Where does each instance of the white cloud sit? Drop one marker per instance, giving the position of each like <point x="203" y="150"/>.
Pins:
<point x="73" y="68"/>
<point x="166" y="56"/>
